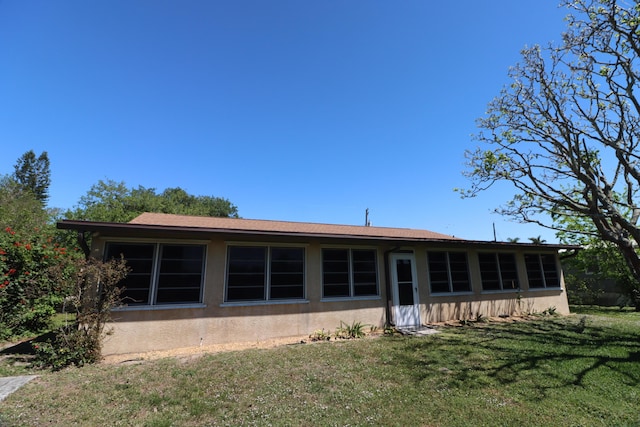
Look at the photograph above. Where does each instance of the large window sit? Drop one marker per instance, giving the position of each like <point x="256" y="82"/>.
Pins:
<point x="349" y="273"/>
<point x="262" y="273"/>
<point x="498" y="271"/>
<point x="448" y="272"/>
<point x="542" y="271"/>
<point x="161" y="273"/>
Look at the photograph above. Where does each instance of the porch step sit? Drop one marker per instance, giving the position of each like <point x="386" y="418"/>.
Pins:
<point x="417" y="330"/>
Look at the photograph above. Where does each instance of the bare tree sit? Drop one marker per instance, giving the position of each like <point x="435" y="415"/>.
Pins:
<point x="565" y="132"/>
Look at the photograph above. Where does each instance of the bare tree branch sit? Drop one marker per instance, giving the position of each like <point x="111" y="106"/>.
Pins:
<point x="566" y="131"/>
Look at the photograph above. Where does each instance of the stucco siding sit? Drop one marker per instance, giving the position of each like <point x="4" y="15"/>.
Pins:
<point x="142" y="331"/>
<point x="216" y="321"/>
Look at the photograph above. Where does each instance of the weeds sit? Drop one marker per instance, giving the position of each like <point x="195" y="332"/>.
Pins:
<point x="346" y="331"/>
<point x="320" y="335"/>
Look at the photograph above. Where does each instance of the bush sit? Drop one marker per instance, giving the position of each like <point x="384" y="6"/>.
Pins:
<point x="95" y="293"/>
<point x="70" y="345"/>
<point x="29" y="293"/>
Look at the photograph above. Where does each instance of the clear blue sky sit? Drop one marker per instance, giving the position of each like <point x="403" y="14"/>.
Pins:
<point x="293" y="110"/>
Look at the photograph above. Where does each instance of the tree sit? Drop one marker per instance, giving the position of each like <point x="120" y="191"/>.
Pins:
<point x="112" y="201"/>
<point x="598" y="262"/>
<point x="20" y="209"/>
<point x="565" y="132"/>
<point x="537" y="240"/>
<point x="30" y="246"/>
<point x="33" y="174"/>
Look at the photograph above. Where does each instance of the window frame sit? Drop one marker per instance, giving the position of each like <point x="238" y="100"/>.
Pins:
<point x="152" y="303"/>
<point x="541" y="270"/>
<point x="352" y="285"/>
<point x="499" y="270"/>
<point x="450" y="280"/>
<point x="267" y="273"/>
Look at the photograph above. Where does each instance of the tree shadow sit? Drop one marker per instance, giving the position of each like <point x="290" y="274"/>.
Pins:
<point x="21" y="353"/>
<point x="25" y="346"/>
<point x="546" y="354"/>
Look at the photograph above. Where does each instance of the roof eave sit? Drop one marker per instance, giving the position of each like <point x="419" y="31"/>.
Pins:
<point x="139" y="229"/>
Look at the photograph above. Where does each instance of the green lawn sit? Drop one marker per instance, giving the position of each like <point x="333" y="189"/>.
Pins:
<point x="581" y="370"/>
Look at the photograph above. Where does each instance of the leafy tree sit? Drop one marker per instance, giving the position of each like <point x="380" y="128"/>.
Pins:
<point x="113" y="201"/>
<point x="33" y="174"/>
<point x="30" y="248"/>
<point x="19" y="208"/>
<point x="597" y="262"/>
<point x="565" y="132"/>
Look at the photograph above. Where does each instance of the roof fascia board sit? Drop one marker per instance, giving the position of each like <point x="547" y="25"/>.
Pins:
<point x="123" y="228"/>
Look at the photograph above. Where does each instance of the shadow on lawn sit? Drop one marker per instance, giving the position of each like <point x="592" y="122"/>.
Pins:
<point x="20" y="354"/>
<point x="24" y="347"/>
<point x="544" y="354"/>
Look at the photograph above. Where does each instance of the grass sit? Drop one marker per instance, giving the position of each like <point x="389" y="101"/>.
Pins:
<point x="16" y="356"/>
<point x="580" y="370"/>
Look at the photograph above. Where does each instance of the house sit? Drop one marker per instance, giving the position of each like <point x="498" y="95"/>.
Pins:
<point x="203" y="280"/>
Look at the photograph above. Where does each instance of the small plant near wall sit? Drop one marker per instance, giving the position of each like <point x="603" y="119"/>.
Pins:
<point x="551" y="311"/>
<point x="480" y="318"/>
<point x="346" y="331"/>
<point x="320" y="335"/>
<point x="389" y="330"/>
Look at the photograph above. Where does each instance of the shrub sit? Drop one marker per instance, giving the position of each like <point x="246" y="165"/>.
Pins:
<point x="95" y="293"/>
<point x="29" y="292"/>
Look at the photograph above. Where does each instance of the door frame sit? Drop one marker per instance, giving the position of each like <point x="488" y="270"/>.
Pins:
<point x="413" y="313"/>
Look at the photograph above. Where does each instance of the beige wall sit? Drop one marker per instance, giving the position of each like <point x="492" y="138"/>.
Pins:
<point x="441" y="308"/>
<point x="163" y="328"/>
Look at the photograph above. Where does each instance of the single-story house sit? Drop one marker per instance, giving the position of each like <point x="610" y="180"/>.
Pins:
<point x="203" y="280"/>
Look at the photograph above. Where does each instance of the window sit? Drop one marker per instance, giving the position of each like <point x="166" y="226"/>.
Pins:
<point x="262" y="273"/>
<point x="160" y="273"/>
<point x="498" y="271"/>
<point x="542" y="271"/>
<point x="448" y="272"/>
<point x="349" y="273"/>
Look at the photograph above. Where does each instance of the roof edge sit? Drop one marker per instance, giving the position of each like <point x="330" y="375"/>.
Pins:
<point x="97" y="226"/>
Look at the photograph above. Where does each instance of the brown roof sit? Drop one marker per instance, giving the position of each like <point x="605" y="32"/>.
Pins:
<point x="285" y="227"/>
<point x="158" y="224"/>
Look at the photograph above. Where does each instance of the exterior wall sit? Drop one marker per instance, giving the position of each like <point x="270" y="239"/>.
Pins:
<point x="441" y="308"/>
<point x="140" y="329"/>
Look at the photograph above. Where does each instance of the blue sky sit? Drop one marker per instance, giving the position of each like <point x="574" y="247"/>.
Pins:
<point x="293" y="110"/>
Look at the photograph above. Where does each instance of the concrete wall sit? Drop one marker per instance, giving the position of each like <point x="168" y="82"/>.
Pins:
<point x="140" y="329"/>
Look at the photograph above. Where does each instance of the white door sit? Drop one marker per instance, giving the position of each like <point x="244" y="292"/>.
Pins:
<point x="406" y="304"/>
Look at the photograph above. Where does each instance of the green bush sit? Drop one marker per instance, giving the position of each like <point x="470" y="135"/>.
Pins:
<point x="29" y="293"/>
<point x="70" y="345"/>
